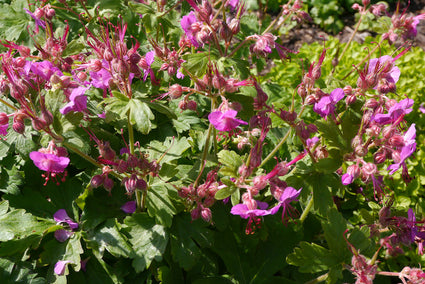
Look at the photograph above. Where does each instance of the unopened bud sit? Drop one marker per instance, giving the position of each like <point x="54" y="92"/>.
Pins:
<point x="50" y="13"/>
<point x="206" y="214"/>
<point x="347" y="90"/>
<point x="196" y="213"/>
<point x="235" y="26"/>
<point x="108" y="184"/>
<point x="18" y="126"/>
<point x="4" y="119"/>
<point x="380" y="157"/>
<point x="396" y="141"/>
<point x="97" y="181"/>
<point x="175" y="91"/>
<point x="82" y="76"/>
<point x="95" y="65"/>
<point x="191" y="105"/>
<point x="310" y="100"/>
<point x="316" y="73"/>
<point x="385" y="216"/>
<point x="350" y="99"/>
<point x="108" y="56"/>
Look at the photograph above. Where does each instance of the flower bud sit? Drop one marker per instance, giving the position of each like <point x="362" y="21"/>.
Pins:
<point x="235" y="26"/>
<point x="82" y="76"/>
<point x="347" y="90"/>
<point x="310" y="100"/>
<point x="50" y="13"/>
<point x="108" y="56"/>
<point x="175" y="91"/>
<point x="191" y="105"/>
<point x="97" y="181"/>
<point x="350" y="99"/>
<point x="259" y="182"/>
<point x="312" y="128"/>
<point x="385" y="216"/>
<point x="316" y="72"/>
<point x="396" y="141"/>
<point x="380" y="157"/>
<point x="206" y="214"/>
<point x="38" y="124"/>
<point x="301" y="91"/>
<point x="130" y="183"/>
<point x="371" y="103"/>
<point x="388" y="131"/>
<point x="95" y="65"/>
<point x="4" y="119"/>
<point x="108" y="184"/>
<point x="18" y="126"/>
<point x="196" y="213"/>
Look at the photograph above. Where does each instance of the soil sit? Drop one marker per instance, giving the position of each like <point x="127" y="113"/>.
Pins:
<point x="309" y="33"/>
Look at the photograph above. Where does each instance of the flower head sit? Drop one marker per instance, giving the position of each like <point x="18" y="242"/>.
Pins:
<point x="49" y="162"/>
<point x="62" y="217"/>
<point x="406" y="151"/>
<point x="396" y="112"/>
<point x="326" y="105"/>
<point x="78" y="101"/>
<point x="252" y="214"/>
<point x="225" y="120"/>
<point x="129" y="207"/>
<point x="60" y="267"/>
<point x="289" y="195"/>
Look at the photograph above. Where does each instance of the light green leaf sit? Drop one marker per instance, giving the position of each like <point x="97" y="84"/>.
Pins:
<point x="141" y="116"/>
<point x="231" y="162"/>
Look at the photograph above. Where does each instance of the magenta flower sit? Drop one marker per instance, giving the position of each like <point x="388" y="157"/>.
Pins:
<point x="62" y="235"/>
<point x="225" y="120"/>
<point x="45" y="69"/>
<point x="62" y="217"/>
<point x="290" y="194"/>
<point x="410" y="28"/>
<point x="326" y="105"/>
<point x="149" y="58"/>
<point x="49" y="162"/>
<point x="60" y="267"/>
<point x="397" y="111"/>
<point x="38" y="22"/>
<point x="3" y="129"/>
<point x="381" y="65"/>
<point x="100" y="79"/>
<point x="245" y="213"/>
<point x="129" y="207"/>
<point x="407" y="150"/>
<point x="233" y="4"/>
<point x="78" y="101"/>
<point x="186" y="23"/>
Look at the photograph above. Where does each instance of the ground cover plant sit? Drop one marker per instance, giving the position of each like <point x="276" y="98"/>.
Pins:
<point x="181" y="142"/>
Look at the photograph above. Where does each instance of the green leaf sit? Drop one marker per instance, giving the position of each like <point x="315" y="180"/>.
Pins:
<point x="19" y="246"/>
<point x="197" y="63"/>
<point x="187" y="237"/>
<point x="13" y="272"/>
<point x="159" y="204"/>
<point x="334" y="228"/>
<point x="147" y="238"/>
<point x="224" y="192"/>
<point x="109" y="237"/>
<point x="171" y="149"/>
<point x="140" y="116"/>
<point x="18" y="224"/>
<point x="311" y="258"/>
<point x="332" y="134"/>
<point x="321" y="192"/>
<point x="231" y="162"/>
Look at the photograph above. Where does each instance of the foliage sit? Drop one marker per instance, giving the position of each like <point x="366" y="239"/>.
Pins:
<point x="140" y="147"/>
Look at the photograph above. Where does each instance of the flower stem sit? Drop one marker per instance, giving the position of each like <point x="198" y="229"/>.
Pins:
<point x="306" y="211"/>
<point x="7" y="104"/>
<point x="351" y="38"/>
<point x="130" y="135"/>
<point x="272" y="153"/>
<point x="319" y="279"/>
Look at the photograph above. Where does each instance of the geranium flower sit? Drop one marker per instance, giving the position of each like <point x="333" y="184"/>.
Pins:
<point x="129" y="207"/>
<point x="38" y="22"/>
<point x="225" y="120"/>
<point x="149" y="59"/>
<point x="3" y="129"/>
<point x="62" y="217"/>
<point x="252" y="214"/>
<point x="78" y="101"/>
<point x="381" y="64"/>
<point x="186" y="24"/>
<point x="60" y="267"/>
<point x="49" y="162"/>
<point x="62" y="235"/>
<point x="290" y="194"/>
<point x="395" y="112"/>
<point x="407" y="150"/>
<point x="326" y="104"/>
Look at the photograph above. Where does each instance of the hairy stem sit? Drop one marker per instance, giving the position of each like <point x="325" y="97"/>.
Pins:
<point x="306" y="211"/>
<point x="319" y="279"/>
<point x="130" y="135"/>
<point x="272" y="153"/>
<point x="7" y="104"/>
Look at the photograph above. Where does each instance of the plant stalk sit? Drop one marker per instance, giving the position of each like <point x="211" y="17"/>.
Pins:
<point x="306" y="211"/>
<point x="272" y="153"/>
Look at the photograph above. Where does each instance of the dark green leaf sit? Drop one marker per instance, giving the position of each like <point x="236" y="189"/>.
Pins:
<point x="159" y="204"/>
<point x="310" y="258"/>
<point x="147" y="238"/>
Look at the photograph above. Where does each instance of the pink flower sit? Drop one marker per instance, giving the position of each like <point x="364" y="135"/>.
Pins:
<point x="290" y="194"/>
<point x="49" y="162"/>
<point x="407" y="150"/>
<point x="78" y="101"/>
<point x="3" y="129"/>
<point x="62" y="217"/>
<point x="225" y="120"/>
<point x="129" y="207"/>
<point x="62" y="235"/>
<point x="326" y="105"/>
<point x="245" y="213"/>
<point x="397" y="111"/>
<point x="186" y="23"/>
<point x="60" y="267"/>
